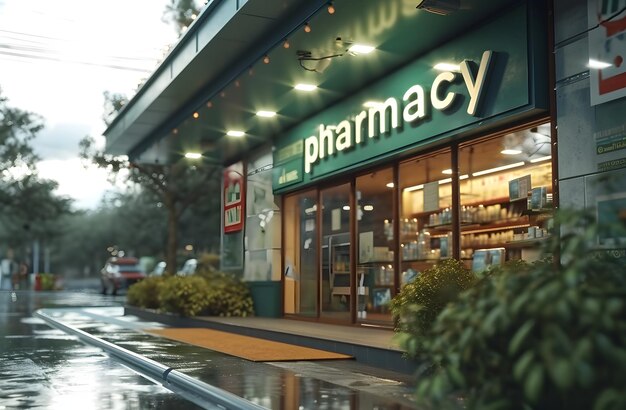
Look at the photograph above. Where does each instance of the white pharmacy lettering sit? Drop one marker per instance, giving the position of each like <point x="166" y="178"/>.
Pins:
<point x="386" y="116"/>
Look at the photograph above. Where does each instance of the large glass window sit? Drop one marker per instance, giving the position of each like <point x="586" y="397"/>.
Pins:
<point x="336" y="286"/>
<point x="425" y="213"/>
<point x="506" y="192"/>
<point x="375" y="274"/>
<point x="300" y="250"/>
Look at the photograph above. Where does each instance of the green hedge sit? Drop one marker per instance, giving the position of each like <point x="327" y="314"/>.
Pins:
<point x="207" y="292"/>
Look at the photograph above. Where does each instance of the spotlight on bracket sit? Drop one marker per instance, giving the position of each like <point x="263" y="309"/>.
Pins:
<point x="441" y="7"/>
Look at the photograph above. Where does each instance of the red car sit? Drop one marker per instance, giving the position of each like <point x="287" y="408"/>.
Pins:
<point x="120" y="273"/>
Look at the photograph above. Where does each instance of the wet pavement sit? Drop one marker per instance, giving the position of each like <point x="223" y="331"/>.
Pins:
<point x="46" y="368"/>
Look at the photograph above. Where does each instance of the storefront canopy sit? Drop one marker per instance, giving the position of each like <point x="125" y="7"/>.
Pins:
<point x="242" y="57"/>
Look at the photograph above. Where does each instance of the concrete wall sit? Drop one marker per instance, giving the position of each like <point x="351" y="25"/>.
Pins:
<point x="584" y="174"/>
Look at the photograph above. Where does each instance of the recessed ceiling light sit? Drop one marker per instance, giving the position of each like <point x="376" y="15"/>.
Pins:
<point x="235" y="133"/>
<point x="361" y="49"/>
<point x="368" y="208"/>
<point x="372" y="104"/>
<point x="267" y="114"/>
<point x="447" y="67"/>
<point x="390" y="185"/>
<point x="598" y="64"/>
<point x="346" y="207"/>
<point x="510" y="151"/>
<point x="447" y="171"/>
<point x="193" y="155"/>
<point x="305" y="87"/>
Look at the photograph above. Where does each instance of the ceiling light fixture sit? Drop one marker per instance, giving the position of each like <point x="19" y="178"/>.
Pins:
<point x="209" y="104"/>
<point x="389" y="185"/>
<point x="540" y="159"/>
<point x="235" y="133"/>
<point x="286" y="44"/>
<point x="447" y="171"/>
<point x="346" y="207"/>
<point x="196" y="115"/>
<point x="193" y="155"/>
<point x="307" y="28"/>
<point x="266" y="114"/>
<point x="266" y="59"/>
<point x="368" y="208"/>
<point x="447" y="67"/>
<point x="441" y="7"/>
<point x="305" y="87"/>
<point x="331" y="8"/>
<point x="497" y="169"/>
<point x="511" y="151"/>
<point x="361" y="49"/>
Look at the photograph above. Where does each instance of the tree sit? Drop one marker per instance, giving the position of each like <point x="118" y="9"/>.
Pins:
<point x="29" y="208"/>
<point x="177" y="185"/>
<point x="113" y="104"/>
<point x="181" y="13"/>
<point x="17" y="129"/>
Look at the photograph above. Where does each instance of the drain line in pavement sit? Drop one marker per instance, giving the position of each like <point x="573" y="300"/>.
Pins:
<point x="195" y="390"/>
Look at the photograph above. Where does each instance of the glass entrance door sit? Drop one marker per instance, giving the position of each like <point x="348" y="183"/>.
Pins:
<point x="336" y="263"/>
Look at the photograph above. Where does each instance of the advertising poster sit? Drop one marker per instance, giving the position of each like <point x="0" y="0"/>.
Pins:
<point x="233" y="198"/>
<point x="607" y="49"/>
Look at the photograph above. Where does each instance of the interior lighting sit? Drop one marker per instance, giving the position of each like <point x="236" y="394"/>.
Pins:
<point x="414" y="188"/>
<point x="389" y="185"/>
<point x="447" y="171"/>
<point x="266" y="114"/>
<point x="368" y="208"/>
<point x="193" y="155"/>
<point x="266" y="59"/>
<point x="447" y="67"/>
<point x="286" y="44"/>
<point x="196" y="115"/>
<point x="307" y="28"/>
<point x="346" y="207"/>
<point x="372" y="104"/>
<point x="510" y="151"/>
<point x="598" y="64"/>
<point x="497" y="169"/>
<point x="540" y="159"/>
<point x="209" y="104"/>
<point x="361" y="49"/>
<point x="235" y="133"/>
<point x="331" y="8"/>
<point x="305" y="87"/>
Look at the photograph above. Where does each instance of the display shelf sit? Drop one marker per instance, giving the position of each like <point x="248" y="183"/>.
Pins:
<point x="520" y="222"/>
<point x="488" y="202"/>
<point x="526" y="243"/>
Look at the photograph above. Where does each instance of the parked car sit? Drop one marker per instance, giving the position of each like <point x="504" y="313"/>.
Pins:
<point x="189" y="268"/>
<point x="120" y="273"/>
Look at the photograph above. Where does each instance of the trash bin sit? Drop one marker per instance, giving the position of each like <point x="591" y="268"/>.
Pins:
<point x="267" y="298"/>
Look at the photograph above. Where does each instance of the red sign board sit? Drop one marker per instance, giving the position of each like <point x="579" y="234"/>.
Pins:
<point x="233" y="199"/>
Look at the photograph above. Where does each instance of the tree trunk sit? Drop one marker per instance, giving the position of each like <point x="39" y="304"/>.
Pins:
<point x="172" y="238"/>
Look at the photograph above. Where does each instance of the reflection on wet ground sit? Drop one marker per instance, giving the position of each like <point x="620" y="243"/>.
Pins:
<point x="42" y="367"/>
<point x="62" y="366"/>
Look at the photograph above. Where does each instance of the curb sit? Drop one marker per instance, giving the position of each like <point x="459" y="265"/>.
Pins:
<point x="202" y="394"/>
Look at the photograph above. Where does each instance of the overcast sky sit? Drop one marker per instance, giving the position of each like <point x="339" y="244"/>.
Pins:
<point x="57" y="57"/>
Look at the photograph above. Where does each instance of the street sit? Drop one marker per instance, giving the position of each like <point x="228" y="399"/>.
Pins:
<point x="42" y="367"/>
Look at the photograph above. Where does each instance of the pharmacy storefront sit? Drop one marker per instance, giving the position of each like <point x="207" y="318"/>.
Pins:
<point x="447" y="157"/>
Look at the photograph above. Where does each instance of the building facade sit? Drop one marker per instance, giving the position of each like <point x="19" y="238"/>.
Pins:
<point x="364" y="141"/>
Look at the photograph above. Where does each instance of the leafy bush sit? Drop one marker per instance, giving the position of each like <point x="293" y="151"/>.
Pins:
<point x="419" y="302"/>
<point x="208" y="261"/>
<point x="538" y="337"/>
<point x="185" y="295"/>
<point x="145" y="294"/>
<point x="207" y="292"/>
<point x="227" y="296"/>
